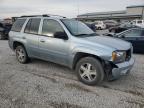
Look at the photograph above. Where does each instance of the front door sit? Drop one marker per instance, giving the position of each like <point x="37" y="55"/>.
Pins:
<point x="52" y="48"/>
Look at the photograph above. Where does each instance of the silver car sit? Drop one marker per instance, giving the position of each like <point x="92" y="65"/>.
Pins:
<point x="71" y="43"/>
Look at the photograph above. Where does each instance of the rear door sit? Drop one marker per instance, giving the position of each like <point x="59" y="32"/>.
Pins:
<point x="31" y="34"/>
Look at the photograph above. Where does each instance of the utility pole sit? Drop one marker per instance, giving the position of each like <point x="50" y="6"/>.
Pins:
<point x="143" y="13"/>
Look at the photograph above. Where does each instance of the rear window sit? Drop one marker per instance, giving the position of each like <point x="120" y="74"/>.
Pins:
<point x="17" y="26"/>
<point x="139" y="22"/>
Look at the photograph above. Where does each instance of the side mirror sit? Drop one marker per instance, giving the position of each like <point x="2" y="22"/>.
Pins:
<point x="61" y="35"/>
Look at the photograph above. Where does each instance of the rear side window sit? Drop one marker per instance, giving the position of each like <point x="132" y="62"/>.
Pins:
<point x="32" y="26"/>
<point x="17" y="26"/>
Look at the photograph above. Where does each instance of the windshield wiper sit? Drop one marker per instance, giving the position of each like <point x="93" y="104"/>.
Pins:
<point x="92" y="34"/>
<point x="81" y="34"/>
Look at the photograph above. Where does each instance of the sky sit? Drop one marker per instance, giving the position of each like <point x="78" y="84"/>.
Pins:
<point x="68" y="8"/>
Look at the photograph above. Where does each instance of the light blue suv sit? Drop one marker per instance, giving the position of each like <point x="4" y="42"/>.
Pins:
<point x="71" y="43"/>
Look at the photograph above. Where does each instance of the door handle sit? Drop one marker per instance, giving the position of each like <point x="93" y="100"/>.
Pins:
<point x="42" y="40"/>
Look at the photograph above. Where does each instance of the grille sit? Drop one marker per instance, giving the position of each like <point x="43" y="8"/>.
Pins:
<point x="128" y="55"/>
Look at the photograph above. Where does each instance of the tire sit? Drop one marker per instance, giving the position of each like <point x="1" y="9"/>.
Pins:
<point x="21" y="54"/>
<point x="83" y="69"/>
<point x="1" y="36"/>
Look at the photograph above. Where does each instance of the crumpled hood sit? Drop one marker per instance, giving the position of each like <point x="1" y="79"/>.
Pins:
<point x="115" y="43"/>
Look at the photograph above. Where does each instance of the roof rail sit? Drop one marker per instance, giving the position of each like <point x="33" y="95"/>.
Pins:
<point x="51" y="15"/>
<point x="31" y="16"/>
<point x="44" y="15"/>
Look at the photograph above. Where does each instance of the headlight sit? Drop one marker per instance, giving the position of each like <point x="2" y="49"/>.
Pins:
<point x="118" y="56"/>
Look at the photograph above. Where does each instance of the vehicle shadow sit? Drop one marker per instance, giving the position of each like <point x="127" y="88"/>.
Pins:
<point x="132" y="83"/>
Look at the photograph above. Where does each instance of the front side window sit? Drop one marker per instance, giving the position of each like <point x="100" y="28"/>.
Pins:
<point x="77" y="28"/>
<point x="32" y="26"/>
<point x="17" y="26"/>
<point x="51" y="27"/>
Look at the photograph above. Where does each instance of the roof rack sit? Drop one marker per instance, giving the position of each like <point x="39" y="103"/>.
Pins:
<point x="44" y="15"/>
<point x="51" y="15"/>
<point x="31" y="16"/>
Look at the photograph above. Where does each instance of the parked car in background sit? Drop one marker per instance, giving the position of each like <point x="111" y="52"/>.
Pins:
<point x="4" y="30"/>
<point x="110" y="23"/>
<point x="122" y="27"/>
<point x="135" y="36"/>
<point x="71" y="43"/>
<point x="91" y="26"/>
<point x="139" y="23"/>
<point x="100" y="25"/>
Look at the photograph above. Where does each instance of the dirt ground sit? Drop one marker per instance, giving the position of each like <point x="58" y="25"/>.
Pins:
<point x="41" y="84"/>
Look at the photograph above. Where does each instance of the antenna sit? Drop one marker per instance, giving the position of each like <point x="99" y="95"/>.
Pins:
<point x="78" y="14"/>
<point x="78" y="7"/>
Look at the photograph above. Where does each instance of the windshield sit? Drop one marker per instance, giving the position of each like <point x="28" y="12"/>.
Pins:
<point x="77" y="28"/>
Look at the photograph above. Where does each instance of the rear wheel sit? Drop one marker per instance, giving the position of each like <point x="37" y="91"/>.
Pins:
<point x="89" y="71"/>
<point x="21" y="54"/>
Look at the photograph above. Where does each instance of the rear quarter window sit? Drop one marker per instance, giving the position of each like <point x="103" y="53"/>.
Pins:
<point x="17" y="26"/>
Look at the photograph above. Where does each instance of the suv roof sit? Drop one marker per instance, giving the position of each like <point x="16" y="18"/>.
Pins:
<point x="40" y="16"/>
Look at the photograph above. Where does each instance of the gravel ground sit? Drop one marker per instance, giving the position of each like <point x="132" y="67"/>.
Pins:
<point x="41" y="84"/>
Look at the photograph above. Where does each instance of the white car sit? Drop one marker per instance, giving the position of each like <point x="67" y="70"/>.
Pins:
<point x="139" y="23"/>
<point x="100" y="25"/>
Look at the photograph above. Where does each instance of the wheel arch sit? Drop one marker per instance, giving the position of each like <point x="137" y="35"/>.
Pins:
<point x="16" y="43"/>
<point x="80" y="55"/>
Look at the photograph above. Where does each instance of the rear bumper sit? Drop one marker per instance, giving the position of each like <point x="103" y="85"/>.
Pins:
<point x="122" y="68"/>
<point x="10" y="42"/>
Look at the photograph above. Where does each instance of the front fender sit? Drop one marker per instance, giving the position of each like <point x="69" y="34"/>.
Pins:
<point x="102" y="53"/>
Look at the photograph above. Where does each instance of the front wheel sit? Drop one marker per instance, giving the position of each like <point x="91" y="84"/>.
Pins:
<point x="90" y="71"/>
<point x="21" y="54"/>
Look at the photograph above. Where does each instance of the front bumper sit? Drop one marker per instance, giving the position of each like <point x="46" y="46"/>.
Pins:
<point x="122" y="68"/>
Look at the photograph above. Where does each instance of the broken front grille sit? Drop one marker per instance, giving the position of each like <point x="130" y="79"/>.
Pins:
<point x="128" y="54"/>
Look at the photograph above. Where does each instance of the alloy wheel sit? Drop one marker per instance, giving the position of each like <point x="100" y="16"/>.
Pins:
<point x="20" y="55"/>
<point x="87" y="72"/>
